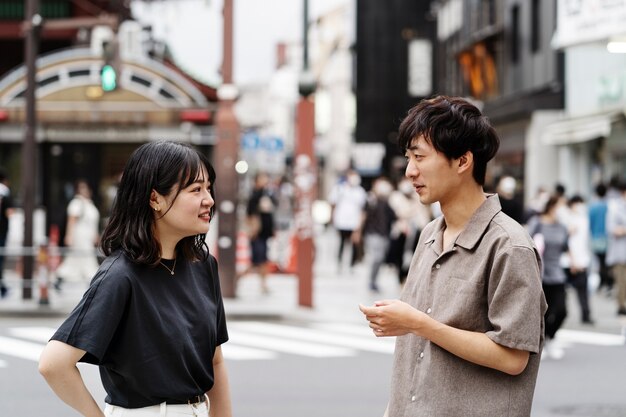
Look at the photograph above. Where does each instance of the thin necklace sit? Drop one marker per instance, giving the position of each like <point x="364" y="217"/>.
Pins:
<point x="168" y="268"/>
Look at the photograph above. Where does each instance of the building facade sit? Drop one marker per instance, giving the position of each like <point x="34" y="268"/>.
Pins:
<point x="84" y="131"/>
<point x="395" y="53"/>
<point x="502" y="58"/>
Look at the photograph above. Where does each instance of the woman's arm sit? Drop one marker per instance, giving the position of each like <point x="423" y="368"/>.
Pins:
<point x="219" y="395"/>
<point x="57" y="364"/>
<point x="396" y="318"/>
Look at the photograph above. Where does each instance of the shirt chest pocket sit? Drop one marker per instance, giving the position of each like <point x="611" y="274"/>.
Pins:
<point x="459" y="302"/>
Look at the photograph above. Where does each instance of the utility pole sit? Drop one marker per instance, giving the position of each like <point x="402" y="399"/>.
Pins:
<point x="226" y="152"/>
<point x="305" y="175"/>
<point x="29" y="147"/>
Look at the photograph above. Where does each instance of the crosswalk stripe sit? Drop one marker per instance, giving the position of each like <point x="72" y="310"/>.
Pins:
<point x="314" y="335"/>
<point x="36" y="334"/>
<point x="239" y="353"/>
<point x="316" y="350"/>
<point x="20" y="348"/>
<point x="590" y="338"/>
<point x="353" y="329"/>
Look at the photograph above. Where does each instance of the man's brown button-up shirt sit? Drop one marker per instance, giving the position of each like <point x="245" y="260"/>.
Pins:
<point x="488" y="281"/>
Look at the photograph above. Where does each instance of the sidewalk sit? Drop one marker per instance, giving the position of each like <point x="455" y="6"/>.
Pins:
<point x="335" y="296"/>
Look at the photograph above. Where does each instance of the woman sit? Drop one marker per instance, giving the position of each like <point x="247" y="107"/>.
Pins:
<point x="551" y="238"/>
<point x="153" y="318"/>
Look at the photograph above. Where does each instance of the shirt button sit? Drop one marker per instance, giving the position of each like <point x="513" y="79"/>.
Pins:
<point x="429" y="310"/>
<point x="437" y="266"/>
<point x="421" y="354"/>
<point x="413" y="398"/>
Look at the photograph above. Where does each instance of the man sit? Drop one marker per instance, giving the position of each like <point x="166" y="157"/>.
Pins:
<point x="470" y="318"/>
<point x="5" y="213"/>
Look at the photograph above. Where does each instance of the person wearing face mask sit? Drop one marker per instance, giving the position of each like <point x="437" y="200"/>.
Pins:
<point x="377" y="222"/>
<point x="347" y="199"/>
<point x="576" y="261"/>
<point x="411" y="217"/>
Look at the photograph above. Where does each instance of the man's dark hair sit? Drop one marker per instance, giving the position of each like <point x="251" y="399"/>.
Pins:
<point x="3" y="174"/>
<point x="452" y="126"/>
<point x="159" y="166"/>
<point x="601" y="190"/>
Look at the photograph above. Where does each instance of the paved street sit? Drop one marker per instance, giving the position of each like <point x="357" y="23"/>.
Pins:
<point x="285" y="360"/>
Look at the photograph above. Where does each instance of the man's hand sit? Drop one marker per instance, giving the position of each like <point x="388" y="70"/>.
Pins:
<point x="393" y="318"/>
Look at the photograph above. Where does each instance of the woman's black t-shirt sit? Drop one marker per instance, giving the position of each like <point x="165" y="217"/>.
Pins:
<point x="152" y="334"/>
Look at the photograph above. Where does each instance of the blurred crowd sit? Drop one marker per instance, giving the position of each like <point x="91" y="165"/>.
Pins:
<point x="582" y="243"/>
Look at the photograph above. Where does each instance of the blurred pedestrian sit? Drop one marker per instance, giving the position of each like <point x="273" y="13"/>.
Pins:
<point x="376" y="229"/>
<point x="6" y="209"/>
<point x="470" y="318"/>
<point x="616" y="250"/>
<point x="551" y="238"/>
<point x="153" y="318"/>
<point x="411" y="217"/>
<point x="536" y="204"/>
<point x="347" y="199"/>
<point x="81" y="238"/>
<point x="599" y="239"/>
<point x="511" y="206"/>
<point x="578" y="258"/>
<point x="260" y="223"/>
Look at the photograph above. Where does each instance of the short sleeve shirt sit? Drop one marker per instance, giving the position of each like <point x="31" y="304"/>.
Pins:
<point x="152" y="334"/>
<point x="488" y="282"/>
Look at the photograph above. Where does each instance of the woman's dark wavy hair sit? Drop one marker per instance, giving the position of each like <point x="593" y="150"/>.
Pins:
<point x="165" y="167"/>
<point x="453" y="126"/>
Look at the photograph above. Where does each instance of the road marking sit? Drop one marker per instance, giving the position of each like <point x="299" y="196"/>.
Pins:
<point x="316" y="350"/>
<point x="240" y="353"/>
<point x="362" y="330"/>
<point x="255" y="340"/>
<point x="314" y="335"/>
<point x="590" y="338"/>
<point x="20" y="348"/>
<point x="36" y="334"/>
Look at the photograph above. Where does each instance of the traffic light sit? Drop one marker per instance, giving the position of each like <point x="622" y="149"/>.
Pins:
<point x="108" y="78"/>
<point x="109" y="74"/>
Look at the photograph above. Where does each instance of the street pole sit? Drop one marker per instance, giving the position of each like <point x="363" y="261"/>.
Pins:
<point x="29" y="147"/>
<point x="226" y="152"/>
<point x="305" y="173"/>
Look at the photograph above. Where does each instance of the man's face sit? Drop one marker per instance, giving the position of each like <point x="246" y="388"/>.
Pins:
<point x="433" y="176"/>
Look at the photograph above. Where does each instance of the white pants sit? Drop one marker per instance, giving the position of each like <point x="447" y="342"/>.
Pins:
<point x="161" y="410"/>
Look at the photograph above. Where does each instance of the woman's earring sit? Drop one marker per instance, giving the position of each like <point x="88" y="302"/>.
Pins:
<point x="156" y="209"/>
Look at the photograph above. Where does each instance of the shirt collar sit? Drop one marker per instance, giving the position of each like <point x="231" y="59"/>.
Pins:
<point x="476" y="226"/>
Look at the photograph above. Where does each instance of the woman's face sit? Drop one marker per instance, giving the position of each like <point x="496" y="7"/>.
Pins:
<point x="188" y="213"/>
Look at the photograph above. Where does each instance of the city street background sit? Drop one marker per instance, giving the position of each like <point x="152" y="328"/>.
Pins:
<point x="285" y="360"/>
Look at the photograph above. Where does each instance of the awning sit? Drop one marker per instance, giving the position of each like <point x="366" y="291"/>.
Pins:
<point x="579" y="129"/>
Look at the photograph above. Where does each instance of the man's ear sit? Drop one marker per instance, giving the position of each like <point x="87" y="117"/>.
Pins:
<point x="466" y="162"/>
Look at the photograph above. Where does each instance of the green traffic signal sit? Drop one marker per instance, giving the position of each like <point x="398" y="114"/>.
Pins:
<point x="108" y="78"/>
